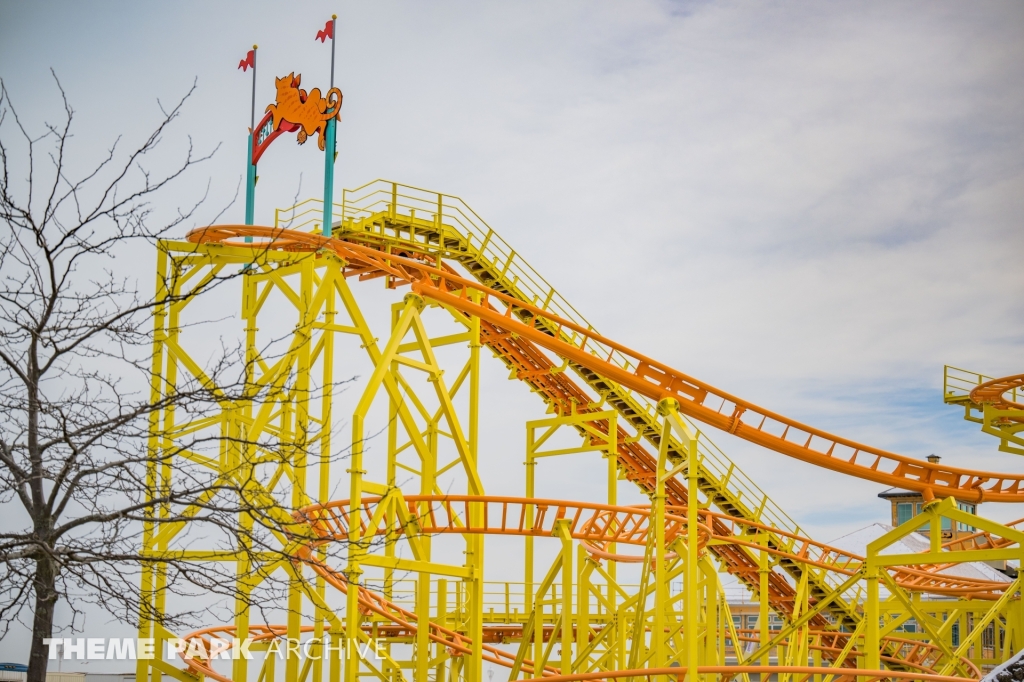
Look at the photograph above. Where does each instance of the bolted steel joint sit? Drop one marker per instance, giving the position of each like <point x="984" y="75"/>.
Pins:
<point x="667" y="405"/>
<point x="416" y="300"/>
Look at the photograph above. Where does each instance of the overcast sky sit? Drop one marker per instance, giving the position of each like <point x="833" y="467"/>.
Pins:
<point x="812" y="205"/>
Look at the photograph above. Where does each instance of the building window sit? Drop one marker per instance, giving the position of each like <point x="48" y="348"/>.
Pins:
<point x="988" y="640"/>
<point x="924" y="528"/>
<point x="970" y="509"/>
<point x="904" y="512"/>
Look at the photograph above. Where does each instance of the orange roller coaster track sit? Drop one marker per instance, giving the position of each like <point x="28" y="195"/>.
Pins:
<point x="871" y="615"/>
<point x="599" y="524"/>
<point x="994" y="393"/>
<point x="642" y="374"/>
<point x="589" y="524"/>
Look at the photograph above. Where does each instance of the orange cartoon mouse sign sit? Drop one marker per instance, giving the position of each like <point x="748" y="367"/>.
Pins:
<point x="296" y="110"/>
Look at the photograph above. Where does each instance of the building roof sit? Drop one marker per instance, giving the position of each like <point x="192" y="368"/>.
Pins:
<point x="857" y="543"/>
<point x="892" y="493"/>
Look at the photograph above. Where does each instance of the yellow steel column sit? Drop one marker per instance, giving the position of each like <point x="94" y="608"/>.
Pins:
<point x="802" y="634"/>
<point x="531" y="466"/>
<point x="298" y="451"/>
<point x="724" y="621"/>
<point x="147" y="596"/>
<point x="422" y="653"/>
<point x="353" y="571"/>
<point x="391" y="540"/>
<point x="441" y="619"/>
<point x="613" y="499"/>
<point x="427" y="479"/>
<point x="562" y="532"/>
<point x="475" y="541"/>
<point x="622" y="621"/>
<point x="475" y="345"/>
<point x="475" y="562"/>
<point x="163" y="469"/>
<point x="337" y="639"/>
<point x="1019" y="612"/>
<point x="584" y="569"/>
<point x="324" y="474"/>
<point x="692" y="606"/>
<point x="711" y="619"/>
<point x="240" y="666"/>
<point x="670" y="408"/>
<point x="763" y="571"/>
<point x="269" y="672"/>
<point x="661" y="587"/>
<point x="872" y="659"/>
<point x="243" y="569"/>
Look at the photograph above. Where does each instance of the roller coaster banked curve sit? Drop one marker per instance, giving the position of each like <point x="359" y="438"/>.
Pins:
<point x="655" y="381"/>
<point x="594" y="525"/>
<point x="992" y="393"/>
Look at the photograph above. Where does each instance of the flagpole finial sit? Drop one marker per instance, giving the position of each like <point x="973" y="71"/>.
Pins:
<point x="334" y="16"/>
<point x="255" y="47"/>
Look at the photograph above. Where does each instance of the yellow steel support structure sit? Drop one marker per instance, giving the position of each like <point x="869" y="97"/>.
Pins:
<point x="999" y="410"/>
<point x="366" y="506"/>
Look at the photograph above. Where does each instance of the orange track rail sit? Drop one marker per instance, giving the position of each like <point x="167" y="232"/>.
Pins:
<point x="642" y="374"/>
<point x="598" y="524"/>
<point x="515" y="336"/>
<point x="589" y="523"/>
<point x="991" y="393"/>
<point x="534" y="367"/>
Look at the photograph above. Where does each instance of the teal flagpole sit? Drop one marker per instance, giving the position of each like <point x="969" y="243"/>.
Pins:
<point x="329" y="151"/>
<point x="250" y="169"/>
<point x="250" y="189"/>
<point x="329" y="179"/>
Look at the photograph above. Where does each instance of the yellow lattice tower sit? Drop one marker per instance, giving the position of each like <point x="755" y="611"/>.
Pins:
<point x="575" y="617"/>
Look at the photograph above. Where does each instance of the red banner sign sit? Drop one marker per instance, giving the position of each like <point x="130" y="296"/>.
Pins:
<point x="265" y="134"/>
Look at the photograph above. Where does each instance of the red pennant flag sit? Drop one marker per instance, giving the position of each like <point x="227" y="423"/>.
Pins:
<point x="249" y="61"/>
<point x="328" y="32"/>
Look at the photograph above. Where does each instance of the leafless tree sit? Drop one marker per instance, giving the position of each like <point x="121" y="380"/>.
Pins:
<point x="75" y="336"/>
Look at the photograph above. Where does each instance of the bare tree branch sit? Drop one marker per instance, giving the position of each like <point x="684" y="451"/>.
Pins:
<point x="74" y="410"/>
